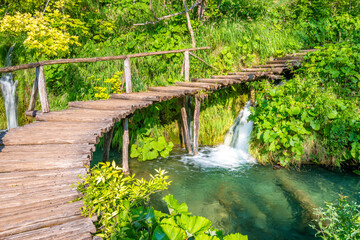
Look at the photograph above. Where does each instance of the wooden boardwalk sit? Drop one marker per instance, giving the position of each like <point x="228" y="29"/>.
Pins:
<point x="39" y="161"/>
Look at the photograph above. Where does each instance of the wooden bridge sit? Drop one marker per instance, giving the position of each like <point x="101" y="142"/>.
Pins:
<point x="39" y="161"/>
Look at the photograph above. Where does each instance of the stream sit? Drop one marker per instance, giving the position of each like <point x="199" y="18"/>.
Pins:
<point x="226" y="185"/>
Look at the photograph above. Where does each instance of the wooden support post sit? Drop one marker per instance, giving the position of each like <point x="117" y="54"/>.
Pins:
<point x="42" y="90"/>
<point x="125" y="153"/>
<point x="34" y="91"/>
<point x="187" y="66"/>
<point x="252" y="97"/>
<point x="107" y="144"/>
<point x="127" y="72"/>
<point x="196" y="124"/>
<point x="189" y="24"/>
<point x="185" y="126"/>
<point x="125" y="150"/>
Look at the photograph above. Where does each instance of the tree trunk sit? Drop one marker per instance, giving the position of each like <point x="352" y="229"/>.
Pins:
<point x="189" y="25"/>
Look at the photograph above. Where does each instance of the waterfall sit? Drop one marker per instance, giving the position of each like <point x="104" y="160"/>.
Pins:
<point x="238" y="135"/>
<point x="8" y="88"/>
<point x="234" y="152"/>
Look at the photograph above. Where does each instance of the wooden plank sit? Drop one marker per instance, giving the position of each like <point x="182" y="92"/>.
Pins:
<point x="43" y="218"/>
<point x="82" y="115"/>
<point x="185" y="126"/>
<point x="50" y="138"/>
<point x="206" y="86"/>
<point x="290" y="57"/>
<point x="16" y="177"/>
<point x="272" y="66"/>
<point x="284" y="61"/>
<point x="273" y="70"/>
<point x="125" y="147"/>
<point x="68" y="230"/>
<point x="11" y="195"/>
<point x="111" y="104"/>
<point x="176" y="89"/>
<point x="42" y="89"/>
<point x="196" y="124"/>
<point x="234" y="77"/>
<point x="50" y="148"/>
<point x="86" y="127"/>
<point x="52" y="131"/>
<point x="145" y="96"/>
<point x="17" y="156"/>
<point x="48" y="163"/>
<point x="35" y="201"/>
<point x="223" y="82"/>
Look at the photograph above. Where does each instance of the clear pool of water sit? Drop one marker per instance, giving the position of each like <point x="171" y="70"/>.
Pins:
<point x="241" y="196"/>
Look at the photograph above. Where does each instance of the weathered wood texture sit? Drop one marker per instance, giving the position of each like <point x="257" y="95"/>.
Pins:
<point x="92" y="60"/>
<point x="125" y="153"/>
<point x="185" y="126"/>
<point x="107" y="144"/>
<point x="39" y="162"/>
<point x="40" y="75"/>
<point x="196" y="124"/>
<point x="34" y="92"/>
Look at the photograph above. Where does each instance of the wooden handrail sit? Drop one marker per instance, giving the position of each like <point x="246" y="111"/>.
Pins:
<point x="95" y="59"/>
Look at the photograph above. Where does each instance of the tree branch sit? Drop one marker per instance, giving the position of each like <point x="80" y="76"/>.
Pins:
<point x="151" y="8"/>
<point x="169" y="16"/>
<point x="47" y="3"/>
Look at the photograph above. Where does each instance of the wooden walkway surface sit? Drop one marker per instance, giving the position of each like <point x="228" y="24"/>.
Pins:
<point x="39" y="161"/>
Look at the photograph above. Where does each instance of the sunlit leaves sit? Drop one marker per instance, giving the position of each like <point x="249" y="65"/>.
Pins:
<point x="47" y="34"/>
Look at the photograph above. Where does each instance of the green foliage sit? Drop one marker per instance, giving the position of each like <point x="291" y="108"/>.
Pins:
<point x="117" y="199"/>
<point x="339" y="220"/>
<point x="338" y="65"/>
<point x="149" y="149"/>
<point x="122" y="206"/>
<point x="313" y="117"/>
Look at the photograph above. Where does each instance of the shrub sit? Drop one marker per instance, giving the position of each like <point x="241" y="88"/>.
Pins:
<point x="338" y="221"/>
<point x="122" y="206"/>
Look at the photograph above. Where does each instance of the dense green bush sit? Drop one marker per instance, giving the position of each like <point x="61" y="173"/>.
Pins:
<point x="315" y="116"/>
<point x="339" y="220"/>
<point x="122" y="206"/>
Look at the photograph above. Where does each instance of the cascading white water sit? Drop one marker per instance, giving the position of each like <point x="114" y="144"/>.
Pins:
<point x="8" y="88"/>
<point x="238" y="135"/>
<point x="235" y="150"/>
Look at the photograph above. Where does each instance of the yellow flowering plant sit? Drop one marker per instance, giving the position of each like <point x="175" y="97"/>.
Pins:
<point x="45" y="32"/>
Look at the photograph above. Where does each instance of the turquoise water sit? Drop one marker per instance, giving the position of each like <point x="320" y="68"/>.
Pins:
<point x="244" y="197"/>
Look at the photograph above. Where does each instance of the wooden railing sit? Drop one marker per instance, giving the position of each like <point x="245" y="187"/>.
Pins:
<point x="39" y="86"/>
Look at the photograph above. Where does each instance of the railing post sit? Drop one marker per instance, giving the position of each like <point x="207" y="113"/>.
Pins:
<point x="34" y="91"/>
<point x="42" y="90"/>
<point x="187" y="66"/>
<point x="127" y="72"/>
<point x="125" y="150"/>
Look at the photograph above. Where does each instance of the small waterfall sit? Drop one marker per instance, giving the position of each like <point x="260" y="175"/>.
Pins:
<point x="8" y="88"/>
<point x="235" y="150"/>
<point x="238" y="135"/>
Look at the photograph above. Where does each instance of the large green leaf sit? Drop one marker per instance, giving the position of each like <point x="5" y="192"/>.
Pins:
<point x="194" y="224"/>
<point x="174" y="206"/>
<point x="168" y="232"/>
<point x="236" y="236"/>
<point x="206" y="237"/>
<point x="332" y="114"/>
